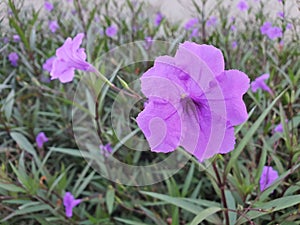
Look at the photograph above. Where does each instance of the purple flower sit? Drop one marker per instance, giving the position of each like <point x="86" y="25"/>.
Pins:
<point x="280" y="14"/>
<point x="242" y="5"/>
<point x="111" y="31"/>
<point x="280" y="1"/>
<point x="106" y="150"/>
<point x="233" y="28"/>
<point x="40" y="139"/>
<point x="259" y="83"/>
<point x="48" y="64"/>
<point x="53" y="26"/>
<point x="268" y="176"/>
<point x="68" y="58"/>
<point x="16" y="38"/>
<point x="289" y="26"/>
<point x="195" y="102"/>
<point x="234" y="44"/>
<point x="279" y="127"/>
<point x="274" y="32"/>
<point x="191" y="23"/>
<point x="195" y="33"/>
<point x="148" y="41"/>
<point x="159" y="17"/>
<point x="5" y="40"/>
<point x="265" y="27"/>
<point x="212" y="21"/>
<point x="70" y="202"/>
<point x="13" y="58"/>
<point x="48" y="6"/>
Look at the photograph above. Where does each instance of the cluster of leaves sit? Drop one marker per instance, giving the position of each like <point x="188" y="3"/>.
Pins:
<point x="33" y="180"/>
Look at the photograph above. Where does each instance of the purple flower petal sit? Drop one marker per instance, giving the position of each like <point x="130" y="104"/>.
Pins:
<point x="49" y="64"/>
<point x="265" y="27"/>
<point x="13" y="57"/>
<point x="268" y="176"/>
<point x="191" y="24"/>
<point x="242" y="5"/>
<point x="274" y="32"/>
<point x="40" y="139"/>
<point x="16" y="38"/>
<point x="111" y="31"/>
<point x="48" y="6"/>
<point x="259" y="83"/>
<point x="70" y="202"/>
<point x="159" y="17"/>
<point x="68" y="58"/>
<point x="53" y="26"/>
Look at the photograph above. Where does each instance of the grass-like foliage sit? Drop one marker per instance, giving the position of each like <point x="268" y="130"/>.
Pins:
<point x="46" y="179"/>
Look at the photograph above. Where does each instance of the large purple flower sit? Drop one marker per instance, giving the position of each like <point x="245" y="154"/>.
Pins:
<point x="259" y="83"/>
<point x="70" y="202"/>
<point x="68" y="58"/>
<point x="268" y="176"/>
<point x="192" y="102"/>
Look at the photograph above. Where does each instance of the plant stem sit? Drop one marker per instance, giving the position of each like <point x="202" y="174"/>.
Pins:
<point x="221" y="184"/>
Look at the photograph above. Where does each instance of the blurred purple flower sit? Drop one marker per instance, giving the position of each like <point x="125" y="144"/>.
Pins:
<point x="48" y="6"/>
<point x="234" y="44"/>
<point x="280" y="1"/>
<point x="279" y="127"/>
<point x="274" y="32"/>
<point x="259" y="83"/>
<point x="48" y="64"/>
<point x="111" y="31"/>
<point x="289" y="26"/>
<point x="280" y="14"/>
<point x="195" y="33"/>
<point x="16" y="38"/>
<point x="212" y="21"/>
<point x="149" y="41"/>
<point x="268" y="176"/>
<point x="265" y="27"/>
<point x="242" y="5"/>
<point x="68" y="58"/>
<point x="13" y="58"/>
<point x="195" y="102"/>
<point x="5" y="40"/>
<point x="159" y="17"/>
<point x="233" y="28"/>
<point x="106" y="150"/>
<point x="53" y="26"/>
<point x="70" y="202"/>
<point x="191" y="24"/>
<point x="41" y="139"/>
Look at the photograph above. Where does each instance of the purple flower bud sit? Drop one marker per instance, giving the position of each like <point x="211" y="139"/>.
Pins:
<point x="41" y="139"/>
<point x="259" y="83"/>
<point x="53" y="26"/>
<point x="268" y="176"/>
<point x="13" y="58"/>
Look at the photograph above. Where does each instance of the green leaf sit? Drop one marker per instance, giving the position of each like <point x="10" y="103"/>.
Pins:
<point x="8" y="105"/>
<point x="23" y="142"/>
<point x="188" y="180"/>
<point x="238" y="150"/>
<point x="231" y="205"/>
<point x="11" y="187"/>
<point x="204" y="215"/>
<point x="130" y="222"/>
<point x="110" y="199"/>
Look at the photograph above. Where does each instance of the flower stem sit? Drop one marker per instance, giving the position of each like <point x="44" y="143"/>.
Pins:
<point x="221" y="184"/>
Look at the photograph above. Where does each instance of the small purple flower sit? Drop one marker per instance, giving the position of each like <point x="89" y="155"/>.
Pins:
<point x="289" y="26"/>
<point x="13" y="58"/>
<point x="195" y="103"/>
<point x="280" y="1"/>
<point x="70" y="202"/>
<point x="259" y="83"/>
<point x="234" y="44"/>
<point x="53" y="26"/>
<point x="48" y="64"/>
<point x="242" y="5"/>
<point x="195" y="33"/>
<point x="212" y="21"/>
<point x="16" y="38"/>
<point x="280" y="14"/>
<point x="268" y="176"/>
<point x="40" y="139"/>
<point x="233" y="28"/>
<point x="106" y="150"/>
<point x="149" y="41"/>
<point x="265" y="27"/>
<point x="159" y="17"/>
<point x="191" y="24"/>
<point x="48" y="6"/>
<point x="68" y="58"/>
<point x="111" y="31"/>
<point x="274" y="32"/>
<point x="279" y="127"/>
<point x="5" y="40"/>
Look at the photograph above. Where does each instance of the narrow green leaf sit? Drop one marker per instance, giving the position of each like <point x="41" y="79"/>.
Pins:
<point x="11" y="187"/>
<point x="203" y="215"/>
<point x="110" y="199"/>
